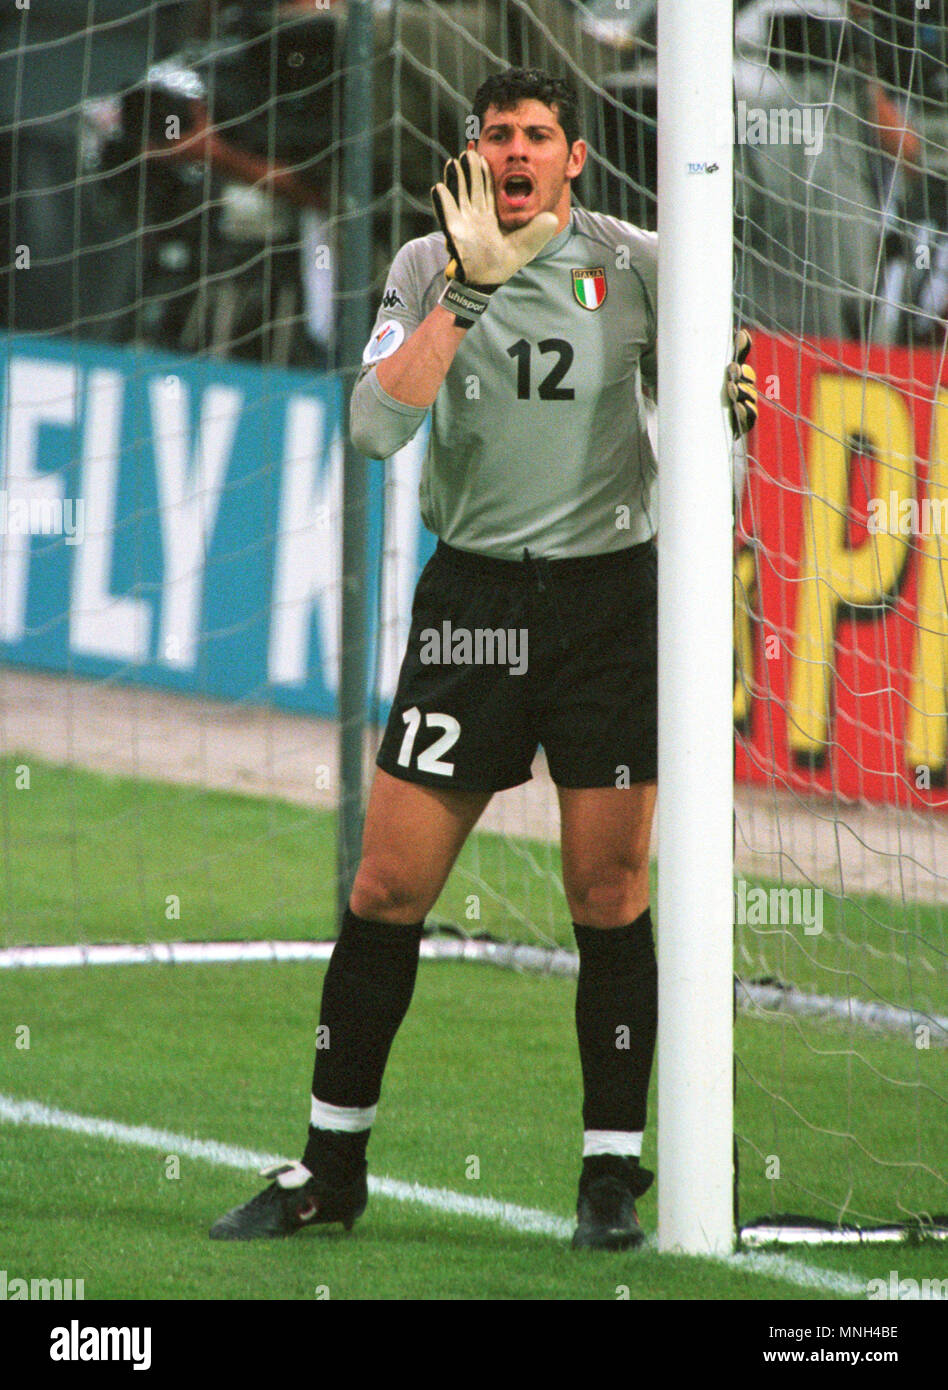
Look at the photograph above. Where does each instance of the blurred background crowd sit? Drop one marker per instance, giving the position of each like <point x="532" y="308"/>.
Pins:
<point x="170" y="170"/>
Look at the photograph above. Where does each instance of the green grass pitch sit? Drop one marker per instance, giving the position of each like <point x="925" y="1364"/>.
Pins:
<point x="485" y="1068"/>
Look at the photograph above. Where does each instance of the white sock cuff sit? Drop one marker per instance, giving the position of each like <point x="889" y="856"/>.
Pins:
<point x="622" y="1142"/>
<point x="344" y="1119"/>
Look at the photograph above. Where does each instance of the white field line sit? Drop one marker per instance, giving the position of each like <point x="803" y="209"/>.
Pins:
<point x="803" y="1275"/>
<point x="751" y="998"/>
<point x="526" y="1220"/>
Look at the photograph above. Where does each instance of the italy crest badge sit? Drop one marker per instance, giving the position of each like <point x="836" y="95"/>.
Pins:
<point x="589" y="287"/>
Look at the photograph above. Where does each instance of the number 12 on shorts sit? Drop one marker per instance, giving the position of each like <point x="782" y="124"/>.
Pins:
<point x="429" y="759"/>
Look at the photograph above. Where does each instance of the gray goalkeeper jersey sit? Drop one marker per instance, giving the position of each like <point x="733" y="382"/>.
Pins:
<point x="539" y="434"/>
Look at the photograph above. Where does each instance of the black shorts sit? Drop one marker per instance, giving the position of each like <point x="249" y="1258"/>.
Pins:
<point x="504" y="655"/>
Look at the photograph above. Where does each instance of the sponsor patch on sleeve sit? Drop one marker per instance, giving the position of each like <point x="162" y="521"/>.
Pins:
<point x="386" y="339"/>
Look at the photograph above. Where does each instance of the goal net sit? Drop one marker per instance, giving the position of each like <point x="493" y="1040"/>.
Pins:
<point x="173" y="217"/>
<point x="841" y="249"/>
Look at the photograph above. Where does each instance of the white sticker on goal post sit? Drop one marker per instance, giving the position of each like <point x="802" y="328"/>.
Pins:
<point x="387" y="338"/>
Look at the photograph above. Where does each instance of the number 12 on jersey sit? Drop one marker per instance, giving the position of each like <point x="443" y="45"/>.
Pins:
<point x="429" y="759"/>
<point x="549" y="388"/>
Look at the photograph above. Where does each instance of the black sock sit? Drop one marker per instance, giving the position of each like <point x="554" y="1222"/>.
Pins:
<point x="366" y="994"/>
<point x="616" y="1022"/>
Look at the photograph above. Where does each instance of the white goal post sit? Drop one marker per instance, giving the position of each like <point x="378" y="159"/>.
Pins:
<point x="695" y="798"/>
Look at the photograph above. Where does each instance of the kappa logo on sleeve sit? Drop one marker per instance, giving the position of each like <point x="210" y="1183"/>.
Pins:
<point x="391" y="299"/>
<point x="589" y="287"/>
<point x="386" y="339"/>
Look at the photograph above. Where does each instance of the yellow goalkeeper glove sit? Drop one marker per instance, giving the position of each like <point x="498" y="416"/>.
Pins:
<point x="740" y="386"/>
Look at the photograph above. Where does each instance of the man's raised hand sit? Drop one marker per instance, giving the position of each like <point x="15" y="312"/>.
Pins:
<point x="482" y="255"/>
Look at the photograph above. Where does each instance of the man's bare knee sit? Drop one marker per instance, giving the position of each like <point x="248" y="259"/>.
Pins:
<point x="610" y="899"/>
<point x="381" y="893"/>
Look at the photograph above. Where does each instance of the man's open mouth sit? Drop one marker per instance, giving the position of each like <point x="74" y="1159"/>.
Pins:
<point x="517" y="189"/>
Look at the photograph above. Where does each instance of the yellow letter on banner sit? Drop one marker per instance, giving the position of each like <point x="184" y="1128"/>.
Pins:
<point x="745" y="603"/>
<point x="831" y="574"/>
<point x="926" y="732"/>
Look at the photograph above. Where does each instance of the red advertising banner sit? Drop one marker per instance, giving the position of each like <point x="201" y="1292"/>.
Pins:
<point x="841" y="574"/>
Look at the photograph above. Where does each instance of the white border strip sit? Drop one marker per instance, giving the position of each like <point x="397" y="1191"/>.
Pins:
<point x="524" y="1220"/>
<point x="538" y="958"/>
<point x="763" y="1235"/>
<point x="890" y="1017"/>
<point x="162" y="953"/>
<point x="541" y="959"/>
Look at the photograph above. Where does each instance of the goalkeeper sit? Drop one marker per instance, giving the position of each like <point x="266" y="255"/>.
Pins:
<point x="527" y="327"/>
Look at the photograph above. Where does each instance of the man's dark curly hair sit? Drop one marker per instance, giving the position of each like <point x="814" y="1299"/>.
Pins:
<point x="505" y="90"/>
